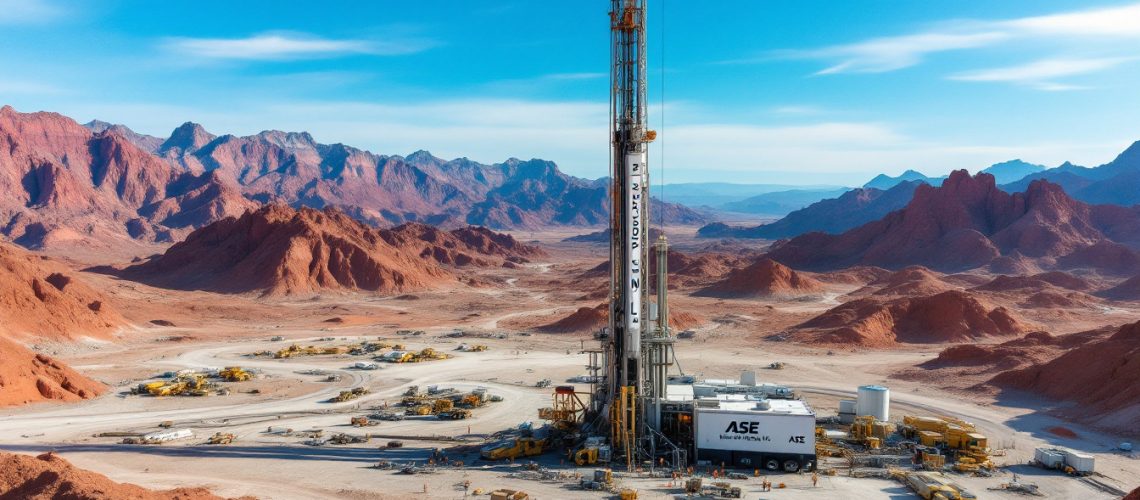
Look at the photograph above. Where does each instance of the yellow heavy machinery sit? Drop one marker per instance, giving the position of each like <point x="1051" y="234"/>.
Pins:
<point x="220" y="438"/>
<point x="182" y="385"/>
<point x="868" y="431"/>
<point x="349" y="395"/>
<point x="958" y="436"/>
<point x="514" y="448"/>
<point x="567" y="411"/>
<point x="419" y="410"/>
<point x="441" y="405"/>
<point x="427" y="354"/>
<point x="932" y="486"/>
<point x="234" y="374"/>
<point x="826" y="447"/>
<point x="297" y="350"/>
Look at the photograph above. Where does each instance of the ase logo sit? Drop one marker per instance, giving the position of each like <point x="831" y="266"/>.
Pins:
<point x="745" y="427"/>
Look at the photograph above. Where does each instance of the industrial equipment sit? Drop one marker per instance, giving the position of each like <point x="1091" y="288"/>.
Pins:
<point x="349" y="395"/>
<point x="931" y="486"/>
<point x="221" y="438"/>
<point x="1068" y="461"/>
<point x="961" y="438"/>
<point x="234" y="374"/>
<point x="514" y="448"/>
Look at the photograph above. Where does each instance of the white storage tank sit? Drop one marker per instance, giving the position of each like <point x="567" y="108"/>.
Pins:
<point x="874" y="400"/>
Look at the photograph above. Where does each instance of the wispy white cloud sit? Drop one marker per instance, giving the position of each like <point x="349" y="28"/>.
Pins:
<point x="878" y="55"/>
<point x="1122" y="21"/>
<point x="28" y="11"/>
<point x="1041" y="74"/>
<point x="290" y="46"/>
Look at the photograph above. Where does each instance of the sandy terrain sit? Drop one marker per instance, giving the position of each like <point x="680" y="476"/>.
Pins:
<point x="213" y="330"/>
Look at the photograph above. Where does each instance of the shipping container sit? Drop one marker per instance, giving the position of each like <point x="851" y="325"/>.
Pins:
<point x="1082" y="463"/>
<point x="1049" y="458"/>
<point x="775" y="435"/>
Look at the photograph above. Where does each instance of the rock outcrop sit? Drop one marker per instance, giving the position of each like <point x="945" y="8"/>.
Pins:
<point x="277" y="250"/>
<point x="952" y="316"/>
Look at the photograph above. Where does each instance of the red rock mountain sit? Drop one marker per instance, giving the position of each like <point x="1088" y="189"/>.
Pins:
<point x="952" y="316"/>
<point x="43" y="301"/>
<point x="277" y="250"/>
<point x="764" y="277"/>
<point x="103" y="185"/>
<point x="968" y="223"/>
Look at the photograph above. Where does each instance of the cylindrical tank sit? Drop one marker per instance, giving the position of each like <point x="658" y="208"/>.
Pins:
<point x="874" y="400"/>
<point x="847" y="406"/>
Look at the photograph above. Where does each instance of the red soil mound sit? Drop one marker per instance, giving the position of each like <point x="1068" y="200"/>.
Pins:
<point x="763" y="278"/>
<point x="1099" y="374"/>
<point x="278" y="250"/>
<point x="42" y="298"/>
<point x="685" y="320"/>
<point x="911" y="281"/>
<point x="1034" y="346"/>
<point x="1135" y="495"/>
<point x="26" y="377"/>
<point x="952" y="316"/>
<point x="585" y="319"/>
<point x="49" y="477"/>
<point x="1065" y="280"/>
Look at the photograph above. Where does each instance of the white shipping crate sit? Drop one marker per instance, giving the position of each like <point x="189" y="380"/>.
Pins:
<point x="1081" y="462"/>
<point x="1049" y="457"/>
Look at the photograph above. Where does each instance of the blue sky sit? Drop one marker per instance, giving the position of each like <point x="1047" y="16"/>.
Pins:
<point x="804" y="92"/>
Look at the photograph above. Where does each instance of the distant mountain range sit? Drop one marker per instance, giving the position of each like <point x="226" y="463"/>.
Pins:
<point x="103" y="185"/>
<point x="884" y="182"/>
<point x="969" y="222"/>
<point x="851" y="209"/>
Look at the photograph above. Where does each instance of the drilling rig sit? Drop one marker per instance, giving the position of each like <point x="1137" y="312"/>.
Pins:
<point x="637" y="347"/>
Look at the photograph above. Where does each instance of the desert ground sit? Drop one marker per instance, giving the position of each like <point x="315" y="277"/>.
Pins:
<point x="174" y="330"/>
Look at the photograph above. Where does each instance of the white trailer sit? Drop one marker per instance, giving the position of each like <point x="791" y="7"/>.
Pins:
<point x="769" y="434"/>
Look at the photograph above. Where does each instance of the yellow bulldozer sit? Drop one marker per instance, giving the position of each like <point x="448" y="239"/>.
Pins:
<point x="235" y="374"/>
<point x="868" y="431"/>
<point x="221" y="438"/>
<point x="349" y="395"/>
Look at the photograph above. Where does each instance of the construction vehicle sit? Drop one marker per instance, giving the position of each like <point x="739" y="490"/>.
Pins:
<point x="349" y="395"/>
<point x="297" y="350"/>
<point x="441" y="406"/>
<point x="471" y="348"/>
<point x="514" y="448"/>
<point x="220" y="438"/>
<point x="455" y="414"/>
<point x="630" y="494"/>
<point x="234" y="374"/>
<point x="592" y="451"/>
<point x="956" y="436"/>
<point x="720" y="489"/>
<point x="389" y="416"/>
<point x="362" y="422"/>
<point x="348" y="439"/>
<point x="508" y="495"/>
<point x="419" y="410"/>
<point x="544" y="383"/>
<point x="931" y="486"/>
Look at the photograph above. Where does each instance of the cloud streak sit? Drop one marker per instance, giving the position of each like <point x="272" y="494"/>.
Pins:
<point x="1042" y="74"/>
<point x="290" y="46"/>
<point x="1081" y="28"/>
<point x="28" y="12"/>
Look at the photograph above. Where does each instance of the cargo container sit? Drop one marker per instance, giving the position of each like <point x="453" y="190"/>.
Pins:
<point x="1082" y="463"/>
<point x="1049" y="458"/>
<point x="769" y="434"/>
